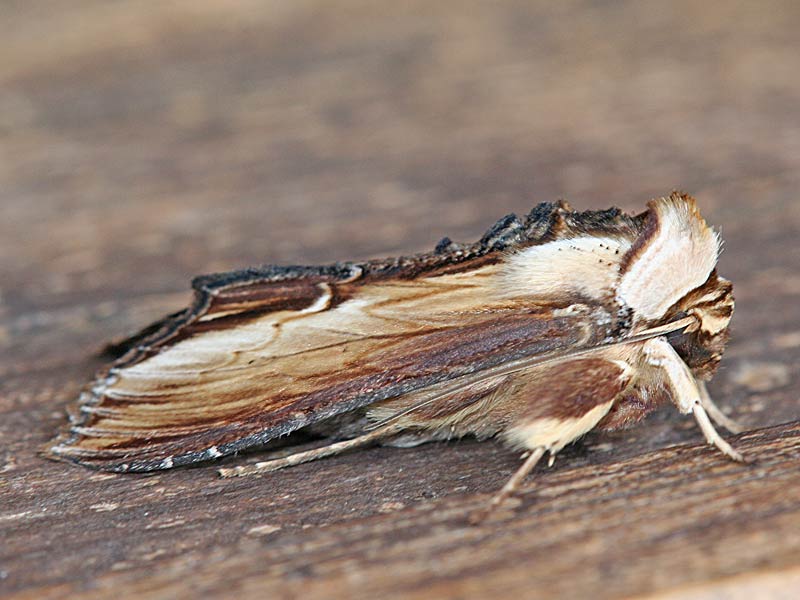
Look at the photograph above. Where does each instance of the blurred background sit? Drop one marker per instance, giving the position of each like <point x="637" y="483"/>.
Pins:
<point x="185" y="131"/>
<point x="142" y="143"/>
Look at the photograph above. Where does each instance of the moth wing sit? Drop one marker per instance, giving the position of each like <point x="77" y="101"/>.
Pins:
<point x="231" y="299"/>
<point x="257" y="358"/>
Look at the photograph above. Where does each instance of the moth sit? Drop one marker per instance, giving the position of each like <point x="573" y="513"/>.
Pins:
<point x="548" y="327"/>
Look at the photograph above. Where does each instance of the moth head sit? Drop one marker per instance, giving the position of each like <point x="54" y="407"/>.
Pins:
<point x="657" y="267"/>
<point x="669" y="272"/>
<point x="701" y="344"/>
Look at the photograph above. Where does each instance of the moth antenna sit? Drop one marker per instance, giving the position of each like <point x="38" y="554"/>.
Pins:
<point x="510" y="487"/>
<point x="712" y="437"/>
<point x="526" y="362"/>
<point x="715" y="413"/>
<point x="309" y="455"/>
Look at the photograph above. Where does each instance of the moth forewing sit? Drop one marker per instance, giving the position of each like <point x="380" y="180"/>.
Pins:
<point x="546" y="328"/>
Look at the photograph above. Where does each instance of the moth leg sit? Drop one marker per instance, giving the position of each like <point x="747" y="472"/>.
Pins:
<point x="510" y="487"/>
<point x="714" y="412"/>
<point x="712" y="437"/>
<point x="309" y="455"/>
<point x="686" y="392"/>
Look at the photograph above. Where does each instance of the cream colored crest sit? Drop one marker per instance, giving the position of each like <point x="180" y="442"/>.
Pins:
<point x="588" y="265"/>
<point x="677" y="257"/>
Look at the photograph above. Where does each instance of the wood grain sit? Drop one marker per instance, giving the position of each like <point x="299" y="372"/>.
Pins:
<point x="144" y="144"/>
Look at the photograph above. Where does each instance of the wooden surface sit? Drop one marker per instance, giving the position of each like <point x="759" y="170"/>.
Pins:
<point x="143" y="143"/>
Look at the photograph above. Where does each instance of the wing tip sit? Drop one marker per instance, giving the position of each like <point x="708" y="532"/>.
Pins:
<point x="62" y="450"/>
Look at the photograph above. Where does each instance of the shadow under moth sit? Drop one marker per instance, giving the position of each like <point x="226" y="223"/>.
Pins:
<point x="546" y="328"/>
